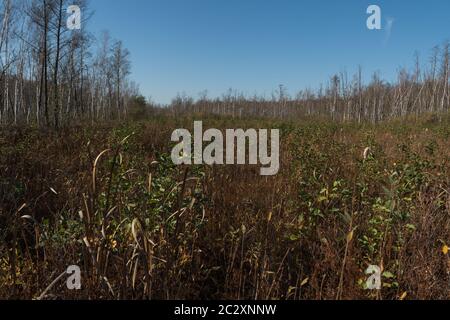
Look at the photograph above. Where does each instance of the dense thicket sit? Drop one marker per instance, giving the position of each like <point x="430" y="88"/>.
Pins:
<point x="51" y="75"/>
<point x="112" y="202"/>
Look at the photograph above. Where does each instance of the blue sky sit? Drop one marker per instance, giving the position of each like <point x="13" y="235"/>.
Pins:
<point x="255" y="45"/>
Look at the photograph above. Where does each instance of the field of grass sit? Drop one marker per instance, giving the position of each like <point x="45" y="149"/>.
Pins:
<point x="108" y="199"/>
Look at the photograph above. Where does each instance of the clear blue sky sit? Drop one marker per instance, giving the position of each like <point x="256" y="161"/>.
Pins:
<point x="255" y="45"/>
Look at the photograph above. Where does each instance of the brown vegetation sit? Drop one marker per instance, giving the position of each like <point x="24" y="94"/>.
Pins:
<point x="108" y="199"/>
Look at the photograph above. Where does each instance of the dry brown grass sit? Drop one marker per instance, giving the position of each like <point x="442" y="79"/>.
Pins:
<point x="140" y="228"/>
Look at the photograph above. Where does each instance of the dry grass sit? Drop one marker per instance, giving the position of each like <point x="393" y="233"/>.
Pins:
<point x="109" y="200"/>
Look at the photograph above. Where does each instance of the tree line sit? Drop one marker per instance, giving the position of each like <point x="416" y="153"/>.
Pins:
<point x="53" y="76"/>
<point x="423" y="89"/>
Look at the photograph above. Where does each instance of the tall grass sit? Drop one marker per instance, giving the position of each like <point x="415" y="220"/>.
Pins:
<point x="109" y="200"/>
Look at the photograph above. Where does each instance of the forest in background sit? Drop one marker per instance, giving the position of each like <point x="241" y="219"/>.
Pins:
<point x="52" y="76"/>
<point x="422" y="90"/>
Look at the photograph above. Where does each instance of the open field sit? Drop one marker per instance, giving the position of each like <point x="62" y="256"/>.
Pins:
<point x="108" y="199"/>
